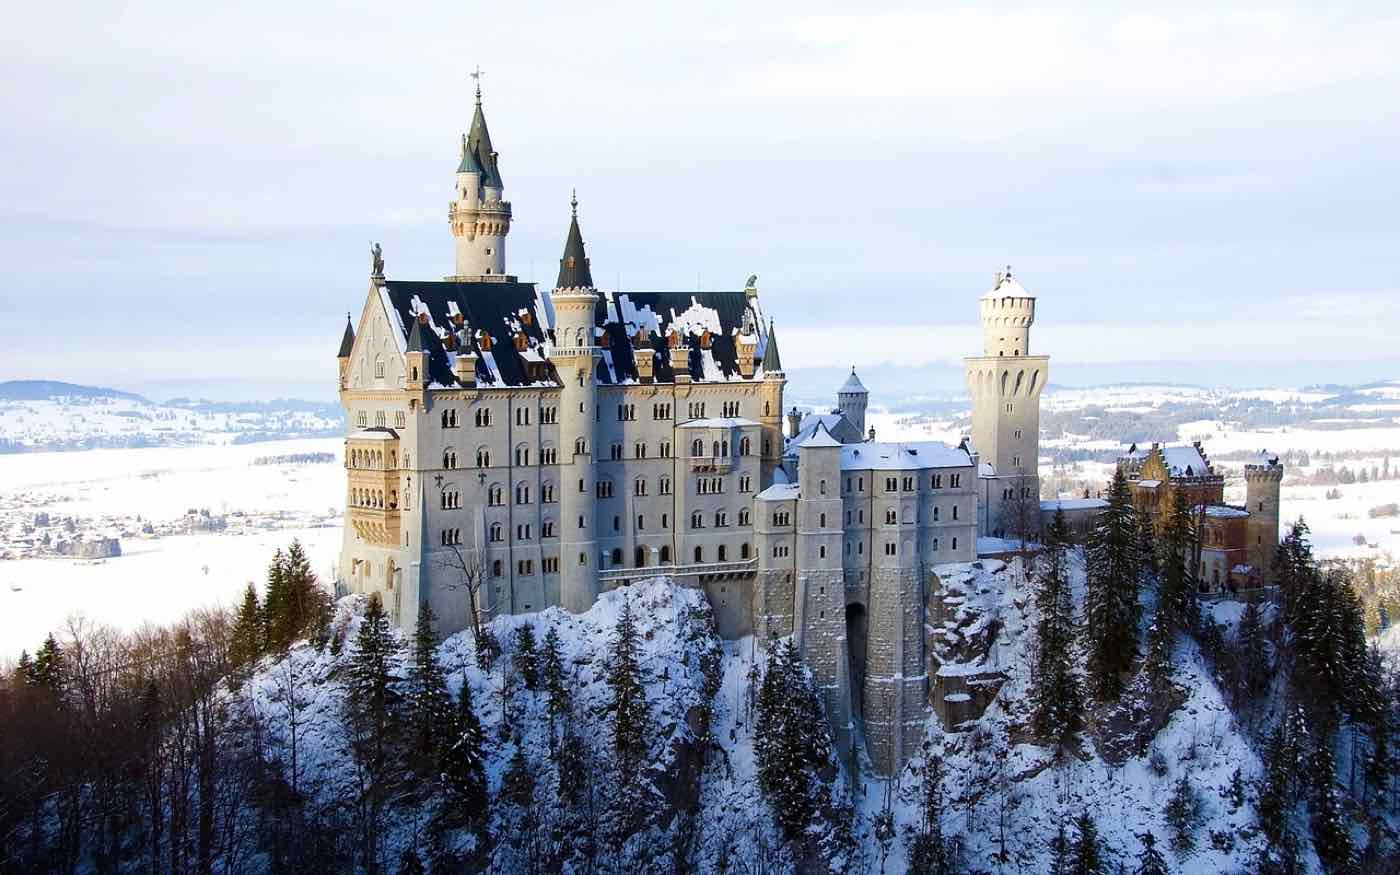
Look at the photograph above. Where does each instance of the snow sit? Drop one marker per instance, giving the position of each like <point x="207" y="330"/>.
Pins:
<point x="780" y="492"/>
<point x="819" y="438"/>
<point x="718" y="422"/>
<point x="1219" y="511"/>
<point x="160" y="578"/>
<point x="1073" y="504"/>
<point x="902" y="456"/>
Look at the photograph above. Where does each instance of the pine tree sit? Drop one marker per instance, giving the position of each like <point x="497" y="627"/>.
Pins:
<point x="526" y="660"/>
<point x="462" y="763"/>
<point x="1059" y="851"/>
<point x="631" y="715"/>
<point x="791" y="741"/>
<point x="1274" y="796"/>
<point x="1057" y="700"/>
<point x="556" y="685"/>
<point x="928" y="851"/>
<point x="374" y="700"/>
<point x="518" y="785"/>
<point x="1252" y="649"/>
<point x="277" y="605"/>
<point x="1114" y="572"/>
<point x="430" y="707"/>
<point x="1331" y="835"/>
<point x="1086" y="857"/>
<point x="1147" y="548"/>
<point x="1236" y="794"/>
<point x="1177" y="580"/>
<point x="247" y="636"/>
<point x="1150" y="862"/>
<point x="1294" y="568"/>
<point x="570" y="768"/>
<point x="410" y="864"/>
<point x="50" y="669"/>
<point x="1182" y="813"/>
<point x="1158" y="665"/>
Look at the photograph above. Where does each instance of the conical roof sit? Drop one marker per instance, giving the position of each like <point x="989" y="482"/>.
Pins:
<point x="771" y="361"/>
<point x="573" y="266"/>
<point x="470" y="163"/>
<point x="347" y="340"/>
<point x="479" y="146"/>
<point x="415" y="337"/>
<point x="853" y="384"/>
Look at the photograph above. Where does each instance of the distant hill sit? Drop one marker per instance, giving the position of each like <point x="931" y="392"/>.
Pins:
<point x="44" y="390"/>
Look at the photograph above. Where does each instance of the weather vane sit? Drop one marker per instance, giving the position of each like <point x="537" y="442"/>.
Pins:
<point x="477" y="74"/>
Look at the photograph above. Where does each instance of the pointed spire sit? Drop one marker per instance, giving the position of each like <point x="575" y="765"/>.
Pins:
<point x="771" y="362"/>
<point x="469" y="163"/>
<point x="573" y="267"/>
<point x="479" y="144"/>
<point x="415" y="336"/>
<point x="347" y="340"/>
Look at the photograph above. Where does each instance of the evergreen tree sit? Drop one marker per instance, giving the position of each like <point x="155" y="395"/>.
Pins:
<point x="1331" y="833"/>
<point x="430" y="709"/>
<point x="560" y="700"/>
<point x="570" y="768"/>
<point x="631" y="715"/>
<point x="410" y="864"/>
<point x="50" y="670"/>
<point x="1182" y="814"/>
<point x="277" y="605"/>
<point x="1294" y="567"/>
<point x="1059" y="851"/>
<point x="790" y="739"/>
<point x="518" y="784"/>
<point x="1236" y="794"/>
<point x="247" y="635"/>
<point x="1150" y="862"/>
<point x="1086" y="857"/>
<point x="526" y="659"/>
<point x="1057" y="700"/>
<point x="1147" y="547"/>
<point x="1274" y="796"/>
<point x="928" y="851"/>
<point x="374" y="700"/>
<point x="1177" y="579"/>
<point x="1114" y="572"/>
<point x="462" y="761"/>
<point x="1252" y="652"/>
<point x="1158" y="664"/>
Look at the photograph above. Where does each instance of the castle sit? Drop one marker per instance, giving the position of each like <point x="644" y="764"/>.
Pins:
<point x="1235" y="542"/>
<point x="536" y="449"/>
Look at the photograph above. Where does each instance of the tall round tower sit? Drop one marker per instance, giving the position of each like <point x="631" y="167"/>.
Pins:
<point x="575" y="358"/>
<point x="852" y="399"/>
<point x="1262" y="482"/>
<point x="478" y="216"/>
<point x="1005" y="383"/>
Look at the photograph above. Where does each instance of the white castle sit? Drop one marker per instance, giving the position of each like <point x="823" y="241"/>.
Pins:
<point x="540" y="448"/>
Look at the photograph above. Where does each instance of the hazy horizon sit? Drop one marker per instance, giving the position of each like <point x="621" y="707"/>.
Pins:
<point x="1200" y="195"/>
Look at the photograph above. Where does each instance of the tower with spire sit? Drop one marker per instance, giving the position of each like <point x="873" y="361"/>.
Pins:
<point x="478" y="214"/>
<point x="852" y="399"/>
<point x="575" y="357"/>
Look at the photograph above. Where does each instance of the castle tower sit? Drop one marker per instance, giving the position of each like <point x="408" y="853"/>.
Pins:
<point x="347" y="346"/>
<point x="479" y="218"/>
<point x="1005" y="383"/>
<point x="819" y="599"/>
<point x="575" y="357"/>
<point x="851" y="400"/>
<point x="1261" y="489"/>
<point x="771" y="391"/>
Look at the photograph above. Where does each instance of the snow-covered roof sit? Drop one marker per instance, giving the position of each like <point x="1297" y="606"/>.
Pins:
<point x="1185" y="461"/>
<point x="1149" y="484"/>
<point x="853" y="384"/>
<point x="1008" y="288"/>
<point x="779" y="492"/>
<point x="819" y="437"/>
<point x="834" y="422"/>
<point x="1224" y="511"/>
<point x="1073" y="504"/>
<point x="717" y="422"/>
<point x="919" y="455"/>
<point x="985" y="469"/>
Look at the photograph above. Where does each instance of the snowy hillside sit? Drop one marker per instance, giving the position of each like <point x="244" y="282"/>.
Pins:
<point x="38" y="415"/>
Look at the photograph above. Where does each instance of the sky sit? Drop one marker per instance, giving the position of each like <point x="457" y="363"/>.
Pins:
<point x="1195" y="193"/>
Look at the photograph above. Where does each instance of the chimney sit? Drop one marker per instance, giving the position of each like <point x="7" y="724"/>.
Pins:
<point x="680" y="358"/>
<point x="794" y="422"/>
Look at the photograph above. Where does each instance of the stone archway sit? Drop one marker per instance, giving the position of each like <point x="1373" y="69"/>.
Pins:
<point x="857" y="632"/>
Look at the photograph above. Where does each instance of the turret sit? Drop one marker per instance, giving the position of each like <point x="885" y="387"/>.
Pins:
<point x="575" y="358"/>
<point x="417" y="356"/>
<point x="852" y="399"/>
<point x="1262" y="481"/>
<point x="479" y="217"/>
<point x="347" y="346"/>
<point x="1008" y="311"/>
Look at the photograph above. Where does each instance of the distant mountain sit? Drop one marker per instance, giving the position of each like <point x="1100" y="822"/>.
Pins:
<point x="45" y="390"/>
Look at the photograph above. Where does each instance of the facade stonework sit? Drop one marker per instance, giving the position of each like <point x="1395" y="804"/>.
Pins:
<point x="538" y="448"/>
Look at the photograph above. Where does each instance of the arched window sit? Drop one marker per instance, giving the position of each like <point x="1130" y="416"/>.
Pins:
<point x="497" y="533"/>
<point x="821" y="521"/>
<point x="697" y="447"/>
<point x="640" y="558"/>
<point x="580" y="447"/>
<point x="665" y="554"/>
<point x="522" y="493"/>
<point x="449" y="458"/>
<point x="483" y="457"/>
<point x="494" y="496"/>
<point x="743" y="446"/>
<point x="699" y="554"/>
<point x="496" y="568"/>
<point x="744" y="518"/>
<point x="716" y="448"/>
<point x="722" y="553"/>
<point x="744" y="551"/>
<point x="616" y="556"/>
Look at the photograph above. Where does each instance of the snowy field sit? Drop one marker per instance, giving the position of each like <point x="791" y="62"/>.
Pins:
<point x="159" y="578"/>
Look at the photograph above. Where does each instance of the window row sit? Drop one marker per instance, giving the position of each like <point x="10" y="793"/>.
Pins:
<point x="484" y="418"/>
<point x="906" y="483"/>
<point x="374" y="498"/>
<point x="373" y="460"/>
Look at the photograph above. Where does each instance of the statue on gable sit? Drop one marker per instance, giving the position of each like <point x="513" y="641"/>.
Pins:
<point x="376" y="254"/>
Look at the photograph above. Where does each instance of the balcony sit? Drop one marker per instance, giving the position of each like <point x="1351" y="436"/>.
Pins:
<point x="710" y="570"/>
<point x="374" y="525"/>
